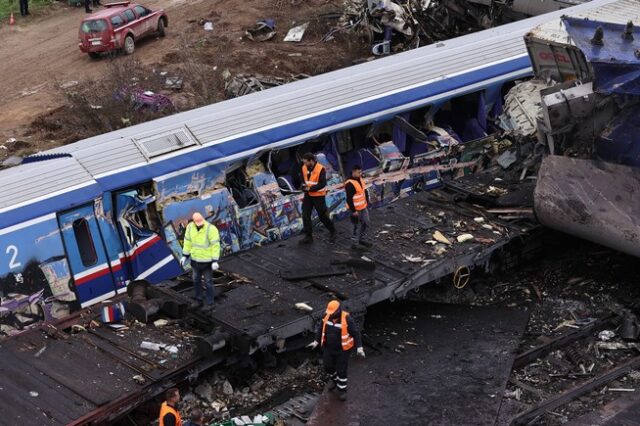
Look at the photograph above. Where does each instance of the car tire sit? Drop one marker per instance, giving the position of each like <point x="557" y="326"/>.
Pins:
<point x="161" y="29"/>
<point x="94" y="55"/>
<point x="129" y="45"/>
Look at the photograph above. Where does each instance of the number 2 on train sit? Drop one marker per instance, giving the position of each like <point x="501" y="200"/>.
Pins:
<point x="13" y="251"/>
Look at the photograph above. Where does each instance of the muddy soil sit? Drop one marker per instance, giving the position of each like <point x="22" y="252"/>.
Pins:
<point x="43" y="55"/>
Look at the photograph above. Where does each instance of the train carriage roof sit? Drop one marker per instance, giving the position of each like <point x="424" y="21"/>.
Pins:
<point x="279" y="116"/>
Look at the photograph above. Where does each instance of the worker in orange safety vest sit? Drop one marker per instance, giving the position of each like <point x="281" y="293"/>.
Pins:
<point x="358" y="202"/>
<point x="337" y="334"/>
<point x="169" y="415"/>
<point x="314" y="177"/>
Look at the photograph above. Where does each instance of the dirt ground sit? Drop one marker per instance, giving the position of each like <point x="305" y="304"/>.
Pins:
<point x="41" y="54"/>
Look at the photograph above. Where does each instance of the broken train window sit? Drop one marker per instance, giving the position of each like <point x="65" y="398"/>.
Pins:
<point x="137" y="214"/>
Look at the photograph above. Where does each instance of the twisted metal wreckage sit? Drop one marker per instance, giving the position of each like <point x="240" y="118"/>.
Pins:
<point x="401" y="25"/>
<point x="136" y="201"/>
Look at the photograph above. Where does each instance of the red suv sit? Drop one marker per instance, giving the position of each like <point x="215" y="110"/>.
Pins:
<point x="119" y="26"/>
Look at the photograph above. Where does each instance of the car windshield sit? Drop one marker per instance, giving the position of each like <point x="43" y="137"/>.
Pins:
<point x="94" y="26"/>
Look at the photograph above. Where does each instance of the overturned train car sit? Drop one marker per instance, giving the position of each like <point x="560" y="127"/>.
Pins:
<point x="79" y="223"/>
<point x="587" y="118"/>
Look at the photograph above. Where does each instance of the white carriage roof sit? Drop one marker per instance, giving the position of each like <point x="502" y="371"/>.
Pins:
<point x="28" y="182"/>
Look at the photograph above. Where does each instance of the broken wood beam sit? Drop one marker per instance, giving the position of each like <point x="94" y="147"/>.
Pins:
<point x="571" y="394"/>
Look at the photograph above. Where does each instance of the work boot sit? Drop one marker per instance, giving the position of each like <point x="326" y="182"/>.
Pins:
<point x="333" y="236"/>
<point x="88" y="11"/>
<point x="308" y="239"/>
<point x="343" y="396"/>
<point x="366" y="243"/>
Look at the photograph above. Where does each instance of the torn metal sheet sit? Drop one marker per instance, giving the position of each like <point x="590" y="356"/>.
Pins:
<point x="612" y="52"/>
<point x="295" y="34"/>
<point x="522" y="108"/>
<point x="594" y="200"/>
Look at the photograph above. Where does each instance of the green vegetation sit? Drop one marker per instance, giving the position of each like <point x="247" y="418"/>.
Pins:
<point x="8" y="6"/>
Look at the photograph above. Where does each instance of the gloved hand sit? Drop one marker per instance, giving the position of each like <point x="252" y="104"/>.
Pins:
<point x="312" y="345"/>
<point x="183" y="261"/>
<point x="215" y="266"/>
<point x="361" y="352"/>
<point x="355" y="214"/>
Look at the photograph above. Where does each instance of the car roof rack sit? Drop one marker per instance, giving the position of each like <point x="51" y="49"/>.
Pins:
<point x="117" y="3"/>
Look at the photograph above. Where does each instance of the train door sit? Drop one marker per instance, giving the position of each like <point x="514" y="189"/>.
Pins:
<point x="86" y="254"/>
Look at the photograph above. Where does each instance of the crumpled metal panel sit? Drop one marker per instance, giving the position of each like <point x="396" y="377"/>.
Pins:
<point x="613" y="57"/>
<point x="594" y="200"/>
<point x="522" y="108"/>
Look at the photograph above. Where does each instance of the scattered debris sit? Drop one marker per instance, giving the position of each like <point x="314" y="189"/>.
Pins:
<point x="506" y="159"/>
<point x="160" y="322"/>
<point x="227" y="389"/>
<point x="606" y="335"/>
<point x="612" y="346"/>
<point x="69" y="84"/>
<point x="263" y="31"/>
<point x="295" y="34"/>
<point x="208" y="26"/>
<point x="439" y="236"/>
<point x="139" y="379"/>
<point x="151" y="346"/>
<point x="413" y="259"/>
<point x="303" y="307"/>
<point x="464" y="238"/>
<point x="242" y="84"/>
<point x="41" y="351"/>
<point x="173" y="83"/>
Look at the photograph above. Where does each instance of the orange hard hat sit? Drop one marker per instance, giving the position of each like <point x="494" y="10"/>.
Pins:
<point x="333" y="306"/>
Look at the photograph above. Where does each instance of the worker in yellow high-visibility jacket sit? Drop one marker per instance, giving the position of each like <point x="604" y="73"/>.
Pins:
<point x="202" y="246"/>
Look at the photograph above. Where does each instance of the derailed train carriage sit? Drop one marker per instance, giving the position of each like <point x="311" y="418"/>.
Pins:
<point x="80" y="222"/>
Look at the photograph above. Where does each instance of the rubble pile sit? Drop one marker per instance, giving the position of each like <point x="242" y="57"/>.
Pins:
<point x="396" y="26"/>
<point x="220" y="400"/>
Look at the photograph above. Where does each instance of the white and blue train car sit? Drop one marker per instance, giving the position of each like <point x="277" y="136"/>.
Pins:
<point x="79" y="222"/>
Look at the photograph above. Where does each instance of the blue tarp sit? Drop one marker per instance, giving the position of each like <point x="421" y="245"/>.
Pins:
<point x="615" y="65"/>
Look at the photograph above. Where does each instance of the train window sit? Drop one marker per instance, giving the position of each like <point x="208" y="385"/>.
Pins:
<point x="87" y="250"/>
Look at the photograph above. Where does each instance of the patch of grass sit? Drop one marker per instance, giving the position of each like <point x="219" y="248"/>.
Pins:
<point x="8" y="6"/>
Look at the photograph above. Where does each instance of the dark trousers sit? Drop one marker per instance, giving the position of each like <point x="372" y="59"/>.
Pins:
<point x="202" y="277"/>
<point x="319" y="204"/>
<point x="360" y="225"/>
<point x="24" y="7"/>
<point x="336" y="365"/>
